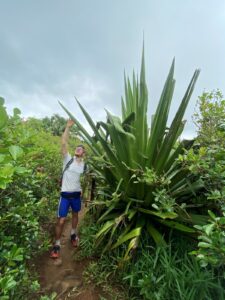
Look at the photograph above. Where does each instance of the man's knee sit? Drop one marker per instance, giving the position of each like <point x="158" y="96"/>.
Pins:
<point x="61" y="221"/>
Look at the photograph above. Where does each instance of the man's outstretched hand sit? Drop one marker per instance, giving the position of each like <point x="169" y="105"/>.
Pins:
<point x="70" y="123"/>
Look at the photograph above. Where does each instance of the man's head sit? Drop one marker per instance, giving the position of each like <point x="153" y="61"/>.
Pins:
<point x="79" y="151"/>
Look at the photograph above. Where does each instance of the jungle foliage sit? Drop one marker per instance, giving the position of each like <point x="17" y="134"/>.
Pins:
<point x="30" y="164"/>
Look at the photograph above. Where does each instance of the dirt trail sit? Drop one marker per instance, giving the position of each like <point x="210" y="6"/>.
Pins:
<point x="64" y="275"/>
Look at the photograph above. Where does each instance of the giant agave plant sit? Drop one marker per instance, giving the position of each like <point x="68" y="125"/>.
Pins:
<point x="145" y="185"/>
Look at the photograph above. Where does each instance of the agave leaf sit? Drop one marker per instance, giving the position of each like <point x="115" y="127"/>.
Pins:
<point x="133" y="233"/>
<point x="117" y="222"/>
<point x="160" y="117"/>
<point x="136" y="200"/>
<point x="177" y="226"/>
<point x="156" y="235"/>
<point x="129" y="119"/>
<point x="199" y="219"/>
<point x="172" y="135"/>
<point x="111" y="216"/>
<point x="111" y="207"/>
<point x="182" y="188"/>
<point x="132" y="245"/>
<point x="163" y="215"/>
<point x="174" y="153"/>
<point x="81" y="128"/>
<point x="118" y="166"/>
<point x="123" y="109"/>
<point x="105" y="228"/>
<point x="131" y="213"/>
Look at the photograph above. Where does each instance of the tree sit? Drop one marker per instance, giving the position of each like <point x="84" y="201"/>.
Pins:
<point x="210" y="119"/>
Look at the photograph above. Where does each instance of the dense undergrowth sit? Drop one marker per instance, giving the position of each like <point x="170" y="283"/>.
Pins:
<point x="153" y="273"/>
<point x="30" y="164"/>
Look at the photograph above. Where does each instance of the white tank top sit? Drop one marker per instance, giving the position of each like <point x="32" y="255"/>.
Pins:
<point x="71" y="177"/>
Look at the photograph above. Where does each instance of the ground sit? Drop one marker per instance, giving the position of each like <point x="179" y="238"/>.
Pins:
<point x="64" y="275"/>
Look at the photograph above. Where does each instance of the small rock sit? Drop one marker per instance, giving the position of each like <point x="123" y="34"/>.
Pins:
<point x="71" y="283"/>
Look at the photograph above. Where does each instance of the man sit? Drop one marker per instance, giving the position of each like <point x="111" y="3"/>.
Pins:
<point x="73" y="167"/>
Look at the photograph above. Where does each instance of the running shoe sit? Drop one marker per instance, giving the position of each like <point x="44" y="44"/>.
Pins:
<point x="55" y="251"/>
<point x="74" y="240"/>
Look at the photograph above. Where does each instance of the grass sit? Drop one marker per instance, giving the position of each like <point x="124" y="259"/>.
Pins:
<point x="164" y="273"/>
<point x="101" y="269"/>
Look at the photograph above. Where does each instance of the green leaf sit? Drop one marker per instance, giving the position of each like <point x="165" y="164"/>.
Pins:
<point x="20" y="170"/>
<point x="199" y="219"/>
<point x="156" y="235"/>
<point x="105" y="228"/>
<point x="177" y="226"/>
<point x="110" y="208"/>
<point x="133" y="233"/>
<point x="7" y="283"/>
<point x="132" y="245"/>
<point x="209" y="228"/>
<point x="6" y="171"/>
<point x="204" y="245"/>
<point x="212" y="215"/>
<point x="163" y="215"/>
<point x="15" y="151"/>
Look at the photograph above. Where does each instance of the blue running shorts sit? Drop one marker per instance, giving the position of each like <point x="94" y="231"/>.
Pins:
<point x="68" y="200"/>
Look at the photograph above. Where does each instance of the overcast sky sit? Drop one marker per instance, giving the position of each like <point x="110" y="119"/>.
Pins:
<point x="54" y="50"/>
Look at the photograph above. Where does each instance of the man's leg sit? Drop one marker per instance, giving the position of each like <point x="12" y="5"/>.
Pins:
<point x="73" y="236"/>
<point x="62" y="213"/>
<point x="59" y="228"/>
<point x="76" y="206"/>
<point x="74" y="221"/>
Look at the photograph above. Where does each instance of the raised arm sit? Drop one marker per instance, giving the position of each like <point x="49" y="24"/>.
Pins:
<point x="65" y="137"/>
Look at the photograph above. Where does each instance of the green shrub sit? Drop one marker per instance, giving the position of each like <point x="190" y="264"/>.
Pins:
<point x="30" y="164"/>
<point x="211" y="246"/>
<point x="206" y="160"/>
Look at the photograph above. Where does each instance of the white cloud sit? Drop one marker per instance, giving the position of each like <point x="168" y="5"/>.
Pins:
<point x="41" y="101"/>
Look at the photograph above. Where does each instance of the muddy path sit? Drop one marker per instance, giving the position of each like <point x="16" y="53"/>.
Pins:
<point x="64" y="275"/>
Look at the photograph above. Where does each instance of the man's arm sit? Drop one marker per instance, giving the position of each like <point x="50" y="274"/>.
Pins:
<point x="65" y="137"/>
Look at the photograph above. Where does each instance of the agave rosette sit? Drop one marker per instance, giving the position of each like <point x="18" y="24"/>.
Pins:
<point x="144" y="182"/>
